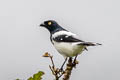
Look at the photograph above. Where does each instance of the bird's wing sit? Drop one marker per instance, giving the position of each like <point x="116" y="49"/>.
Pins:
<point x="66" y="38"/>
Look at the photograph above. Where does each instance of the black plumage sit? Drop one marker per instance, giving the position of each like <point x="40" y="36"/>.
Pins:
<point x="66" y="38"/>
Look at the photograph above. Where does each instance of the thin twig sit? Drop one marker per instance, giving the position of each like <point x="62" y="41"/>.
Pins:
<point x="55" y="71"/>
<point x="51" y="70"/>
<point x="51" y="57"/>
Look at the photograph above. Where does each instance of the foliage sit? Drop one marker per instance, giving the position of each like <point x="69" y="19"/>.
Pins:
<point x="37" y="76"/>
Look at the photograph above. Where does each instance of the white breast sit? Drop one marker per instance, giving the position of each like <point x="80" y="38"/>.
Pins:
<point x="68" y="49"/>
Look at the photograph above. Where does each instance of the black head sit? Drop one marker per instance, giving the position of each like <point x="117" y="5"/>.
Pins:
<point x="51" y="25"/>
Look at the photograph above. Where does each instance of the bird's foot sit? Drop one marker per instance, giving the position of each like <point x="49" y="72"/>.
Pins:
<point x="61" y="70"/>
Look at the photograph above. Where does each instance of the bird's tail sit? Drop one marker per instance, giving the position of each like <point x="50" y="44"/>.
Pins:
<point x="89" y="44"/>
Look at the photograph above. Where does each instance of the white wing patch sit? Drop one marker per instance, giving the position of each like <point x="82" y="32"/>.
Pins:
<point x="62" y="33"/>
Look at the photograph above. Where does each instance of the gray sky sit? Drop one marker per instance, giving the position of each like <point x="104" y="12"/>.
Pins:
<point x="23" y="42"/>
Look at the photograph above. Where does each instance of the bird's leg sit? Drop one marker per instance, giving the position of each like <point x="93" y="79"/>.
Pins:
<point x="61" y="69"/>
<point x="70" y="59"/>
<point x="74" y="62"/>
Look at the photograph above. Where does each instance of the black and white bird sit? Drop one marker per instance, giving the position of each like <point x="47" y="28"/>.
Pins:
<point x="67" y="43"/>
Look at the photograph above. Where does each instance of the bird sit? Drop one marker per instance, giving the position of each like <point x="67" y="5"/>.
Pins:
<point x="66" y="43"/>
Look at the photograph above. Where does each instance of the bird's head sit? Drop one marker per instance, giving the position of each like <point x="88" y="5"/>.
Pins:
<point x="51" y="25"/>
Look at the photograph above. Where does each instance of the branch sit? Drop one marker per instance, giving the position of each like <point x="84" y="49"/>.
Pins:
<point x="58" y="73"/>
<point x="69" y="67"/>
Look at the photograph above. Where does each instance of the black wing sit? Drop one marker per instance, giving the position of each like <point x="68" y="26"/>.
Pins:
<point x="66" y="38"/>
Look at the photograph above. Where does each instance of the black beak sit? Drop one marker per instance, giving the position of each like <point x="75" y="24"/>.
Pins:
<point x="42" y="24"/>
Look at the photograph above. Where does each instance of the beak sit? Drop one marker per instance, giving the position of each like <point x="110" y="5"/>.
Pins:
<point x="42" y="24"/>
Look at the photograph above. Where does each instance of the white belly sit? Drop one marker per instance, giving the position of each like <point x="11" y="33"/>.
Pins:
<point x="68" y="49"/>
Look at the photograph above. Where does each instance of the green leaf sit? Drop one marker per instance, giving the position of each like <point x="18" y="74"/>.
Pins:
<point x="37" y="76"/>
<point x="30" y="78"/>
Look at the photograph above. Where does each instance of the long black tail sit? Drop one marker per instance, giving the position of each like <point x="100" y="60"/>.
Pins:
<point x="89" y="44"/>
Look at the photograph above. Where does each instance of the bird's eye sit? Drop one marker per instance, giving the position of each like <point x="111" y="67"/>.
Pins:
<point x="49" y="23"/>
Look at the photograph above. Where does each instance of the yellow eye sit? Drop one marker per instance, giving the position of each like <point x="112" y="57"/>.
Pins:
<point x="49" y="23"/>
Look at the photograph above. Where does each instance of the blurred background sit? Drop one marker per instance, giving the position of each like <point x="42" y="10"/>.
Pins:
<point x="23" y="42"/>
